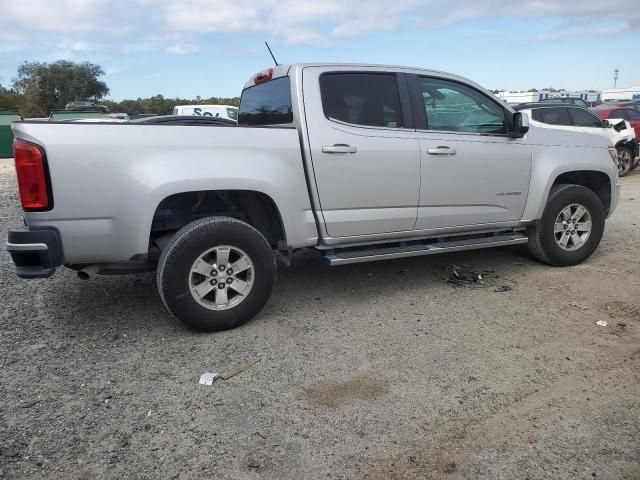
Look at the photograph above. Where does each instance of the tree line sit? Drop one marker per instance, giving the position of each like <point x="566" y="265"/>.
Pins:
<point x="41" y="87"/>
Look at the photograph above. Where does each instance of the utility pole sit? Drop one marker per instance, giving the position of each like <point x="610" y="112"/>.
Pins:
<point x="615" y="76"/>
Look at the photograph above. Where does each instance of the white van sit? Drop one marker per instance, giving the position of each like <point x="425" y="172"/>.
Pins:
<point x="220" y="111"/>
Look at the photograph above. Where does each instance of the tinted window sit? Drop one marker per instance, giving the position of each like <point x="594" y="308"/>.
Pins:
<point x="370" y="99"/>
<point x="619" y="114"/>
<point x="455" y="107"/>
<point x="266" y="104"/>
<point x="552" y="116"/>
<point x="582" y="118"/>
<point x="633" y="114"/>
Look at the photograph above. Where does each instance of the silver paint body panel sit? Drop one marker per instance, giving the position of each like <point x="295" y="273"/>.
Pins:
<point x="108" y="180"/>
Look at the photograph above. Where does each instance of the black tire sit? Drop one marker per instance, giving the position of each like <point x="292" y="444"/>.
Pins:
<point x="625" y="160"/>
<point x="542" y="241"/>
<point x="174" y="272"/>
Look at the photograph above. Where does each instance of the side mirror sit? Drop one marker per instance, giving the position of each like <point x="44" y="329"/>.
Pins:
<point x="605" y="124"/>
<point x="520" y="125"/>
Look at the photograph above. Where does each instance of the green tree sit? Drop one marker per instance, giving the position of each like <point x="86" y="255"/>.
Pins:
<point x="49" y="86"/>
<point x="9" y="99"/>
<point x="160" y="105"/>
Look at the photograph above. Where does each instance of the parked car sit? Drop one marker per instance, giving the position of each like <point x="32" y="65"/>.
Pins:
<point x="626" y="104"/>
<point x="572" y="117"/>
<point x="82" y="105"/>
<point x="570" y="100"/>
<point x="219" y="111"/>
<point x="609" y="111"/>
<point x="187" y="120"/>
<point x="358" y="162"/>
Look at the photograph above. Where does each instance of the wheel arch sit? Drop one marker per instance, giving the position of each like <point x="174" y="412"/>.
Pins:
<point x="256" y="208"/>
<point x="597" y="181"/>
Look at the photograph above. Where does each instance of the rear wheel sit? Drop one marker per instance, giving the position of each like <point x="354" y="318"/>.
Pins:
<point x="571" y="226"/>
<point x="625" y="160"/>
<point x="216" y="273"/>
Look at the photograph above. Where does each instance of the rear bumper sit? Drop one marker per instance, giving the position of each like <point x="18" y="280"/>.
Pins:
<point x="35" y="253"/>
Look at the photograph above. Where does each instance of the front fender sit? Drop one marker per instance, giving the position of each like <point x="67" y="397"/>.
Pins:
<point x="549" y="162"/>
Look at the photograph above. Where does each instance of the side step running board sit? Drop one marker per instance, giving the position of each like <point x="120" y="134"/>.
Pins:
<point x="343" y="257"/>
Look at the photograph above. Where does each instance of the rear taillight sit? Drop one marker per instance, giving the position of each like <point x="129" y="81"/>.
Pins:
<point x="32" y="176"/>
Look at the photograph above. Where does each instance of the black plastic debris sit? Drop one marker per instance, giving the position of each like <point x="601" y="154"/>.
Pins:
<point x="503" y="288"/>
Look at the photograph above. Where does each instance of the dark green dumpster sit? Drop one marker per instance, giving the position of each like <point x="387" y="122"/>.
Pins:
<point x="6" y="136"/>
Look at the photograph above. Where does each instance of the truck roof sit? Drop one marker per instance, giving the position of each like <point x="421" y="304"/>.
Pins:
<point x="283" y="70"/>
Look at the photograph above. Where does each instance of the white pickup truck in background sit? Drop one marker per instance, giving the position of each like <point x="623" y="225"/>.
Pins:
<point x="218" y="111"/>
<point x="360" y="162"/>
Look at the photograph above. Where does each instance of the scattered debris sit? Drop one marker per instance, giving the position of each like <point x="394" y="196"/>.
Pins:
<point x="232" y="373"/>
<point x="532" y="440"/>
<point x="620" y="328"/>
<point x="602" y="323"/>
<point x="258" y="434"/>
<point x="450" y="467"/>
<point x="29" y="404"/>
<point x="208" y="378"/>
<point x="464" y="278"/>
<point x="581" y="307"/>
<point x="503" y="288"/>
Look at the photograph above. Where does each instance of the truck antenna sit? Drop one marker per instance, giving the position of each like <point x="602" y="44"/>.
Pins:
<point x="271" y="53"/>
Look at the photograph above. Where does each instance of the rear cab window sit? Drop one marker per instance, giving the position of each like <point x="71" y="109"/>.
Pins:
<point x="266" y="104"/>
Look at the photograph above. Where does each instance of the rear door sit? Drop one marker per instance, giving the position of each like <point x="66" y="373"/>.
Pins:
<point x="558" y="117"/>
<point x="365" y="157"/>
<point x="473" y="173"/>
<point x="587" y="122"/>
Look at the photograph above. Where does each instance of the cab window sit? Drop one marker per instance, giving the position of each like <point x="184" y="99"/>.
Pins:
<point x="368" y="99"/>
<point x="552" y="116"/>
<point x="583" y="118"/>
<point x="454" y="107"/>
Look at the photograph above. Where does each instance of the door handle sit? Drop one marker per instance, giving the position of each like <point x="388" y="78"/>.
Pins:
<point x="441" y="150"/>
<point x="339" y="148"/>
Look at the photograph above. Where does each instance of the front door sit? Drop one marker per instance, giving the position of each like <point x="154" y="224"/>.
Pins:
<point x="473" y="173"/>
<point x="365" y="160"/>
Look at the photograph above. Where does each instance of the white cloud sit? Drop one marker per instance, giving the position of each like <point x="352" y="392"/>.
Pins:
<point x="181" y="49"/>
<point x="60" y="16"/>
<point x="118" y="27"/>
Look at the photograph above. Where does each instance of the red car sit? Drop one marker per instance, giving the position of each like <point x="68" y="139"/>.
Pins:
<point x="606" y="111"/>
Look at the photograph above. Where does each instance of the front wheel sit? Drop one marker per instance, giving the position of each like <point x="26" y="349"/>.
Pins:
<point x="571" y="226"/>
<point x="625" y="160"/>
<point x="216" y="273"/>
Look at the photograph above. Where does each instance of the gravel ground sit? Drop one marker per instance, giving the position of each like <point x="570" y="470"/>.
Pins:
<point x="370" y="371"/>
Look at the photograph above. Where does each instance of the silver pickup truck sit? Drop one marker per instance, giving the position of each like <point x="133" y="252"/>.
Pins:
<point x="360" y="162"/>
